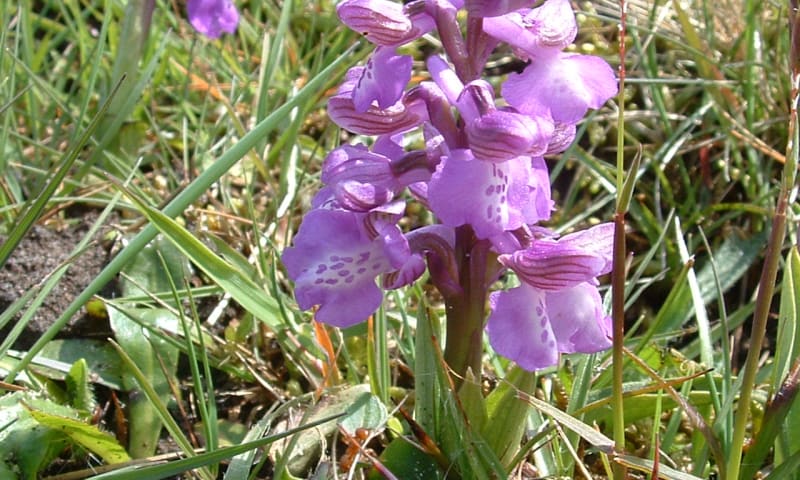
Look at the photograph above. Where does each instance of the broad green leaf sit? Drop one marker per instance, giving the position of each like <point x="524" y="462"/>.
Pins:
<point x="507" y="413"/>
<point x="79" y="391"/>
<point x="102" y="360"/>
<point x="425" y="368"/>
<point x="146" y="274"/>
<point x="365" y="410"/>
<point x="148" y="352"/>
<point x="471" y="397"/>
<point x="640" y="406"/>
<point x="406" y="461"/>
<point x="241" y="464"/>
<point x="355" y="407"/>
<point x="32" y="446"/>
<point x="88" y="436"/>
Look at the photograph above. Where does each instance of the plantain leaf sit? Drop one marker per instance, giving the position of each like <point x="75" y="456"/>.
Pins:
<point x="88" y="436"/>
<point x="149" y="353"/>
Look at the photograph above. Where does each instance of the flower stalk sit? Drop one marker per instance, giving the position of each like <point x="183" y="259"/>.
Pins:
<point x="619" y="259"/>
<point x="769" y="272"/>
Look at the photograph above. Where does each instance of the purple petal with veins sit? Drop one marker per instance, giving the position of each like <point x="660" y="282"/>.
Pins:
<point x="382" y="79"/>
<point x="553" y="265"/>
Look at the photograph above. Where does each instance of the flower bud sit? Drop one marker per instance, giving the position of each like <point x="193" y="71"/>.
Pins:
<point x="383" y="22"/>
<point x="500" y="135"/>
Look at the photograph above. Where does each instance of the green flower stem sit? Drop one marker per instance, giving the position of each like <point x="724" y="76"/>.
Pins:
<point x="466" y="312"/>
<point x="624" y="192"/>
<point x="766" y="289"/>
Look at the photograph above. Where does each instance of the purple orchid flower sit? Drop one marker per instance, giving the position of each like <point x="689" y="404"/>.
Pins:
<point x="481" y="172"/>
<point x="491" y="197"/>
<point x="395" y="118"/>
<point x="337" y="255"/>
<point x="559" y="280"/>
<point x="213" y="17"/>
<point x="384" y="22"/>
<point x="564" y="83"/>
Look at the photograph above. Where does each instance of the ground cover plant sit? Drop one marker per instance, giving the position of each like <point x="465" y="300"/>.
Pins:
<point x="175" y="176"/>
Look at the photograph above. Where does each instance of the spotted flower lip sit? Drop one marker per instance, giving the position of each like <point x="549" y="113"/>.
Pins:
<point x="557" y="308"/>
<point x="488" y="196"/>
<point x="533" y="327"/>
<point x="336" y="257"/>
<point x="212" y="18"/>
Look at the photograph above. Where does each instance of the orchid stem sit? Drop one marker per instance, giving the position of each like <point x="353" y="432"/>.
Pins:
<point x="769" y="273"/>
<point x="466" y="312"/>
<point x="618" y="268"/>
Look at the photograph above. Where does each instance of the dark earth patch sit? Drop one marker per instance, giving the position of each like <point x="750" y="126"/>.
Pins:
<point x="39" y="254"/>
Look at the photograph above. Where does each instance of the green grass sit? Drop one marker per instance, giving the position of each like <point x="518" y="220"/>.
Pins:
<point x="204" y="155"/>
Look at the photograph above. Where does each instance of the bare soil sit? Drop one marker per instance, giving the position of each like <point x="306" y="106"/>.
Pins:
<point x="39" y="254"/>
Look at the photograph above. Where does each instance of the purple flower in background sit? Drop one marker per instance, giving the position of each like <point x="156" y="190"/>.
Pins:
<point x="213" y="17"/>
<point x="559" y="282"/>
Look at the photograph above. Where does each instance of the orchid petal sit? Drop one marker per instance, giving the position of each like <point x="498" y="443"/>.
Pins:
<point x="567" y="84"/>
<point x="382" y="79"/>
<point x="488" y="196"/>
<point x="519" y="328"/>
<point x="334" y="264"/>
<point x="578" y="320"/>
